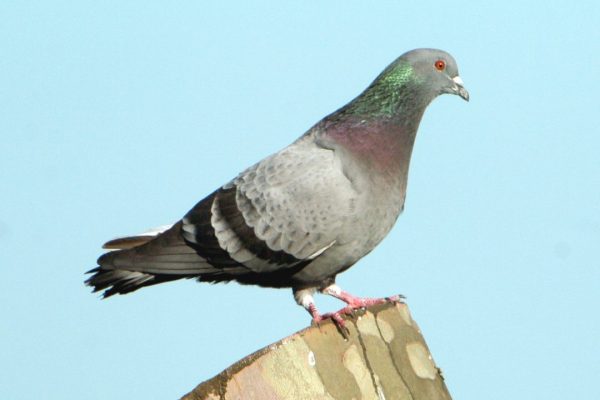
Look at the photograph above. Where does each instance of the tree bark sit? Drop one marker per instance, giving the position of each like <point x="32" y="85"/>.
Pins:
<point x="385" y="357"/>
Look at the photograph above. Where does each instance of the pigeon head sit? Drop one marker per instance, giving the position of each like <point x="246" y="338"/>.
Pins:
<point x="405" y="88"/>
<point x="434" y="71"/>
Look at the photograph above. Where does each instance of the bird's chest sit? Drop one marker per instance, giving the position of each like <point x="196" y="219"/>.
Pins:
<point x="376" y="212"/>
<point x="377" y="167"/>
<point x="382" y="204"/>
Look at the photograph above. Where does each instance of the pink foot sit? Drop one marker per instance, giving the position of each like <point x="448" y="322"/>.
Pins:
<point x="335" y="317"/>
<point x="353" y="303"/>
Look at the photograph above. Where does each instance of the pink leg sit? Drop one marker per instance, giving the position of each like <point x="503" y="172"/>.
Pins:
<point x="355" y="303"/>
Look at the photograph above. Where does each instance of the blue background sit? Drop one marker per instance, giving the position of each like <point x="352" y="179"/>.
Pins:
<point x="116" y="117"/>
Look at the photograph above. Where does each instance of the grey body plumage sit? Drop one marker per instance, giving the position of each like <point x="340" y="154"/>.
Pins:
<point x="303" y="215"/>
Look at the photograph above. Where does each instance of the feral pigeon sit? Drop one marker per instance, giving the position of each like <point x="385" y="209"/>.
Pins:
<point x="301" y="216"/>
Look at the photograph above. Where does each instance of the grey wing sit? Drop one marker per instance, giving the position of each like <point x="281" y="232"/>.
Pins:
<point x="282" y="212"/>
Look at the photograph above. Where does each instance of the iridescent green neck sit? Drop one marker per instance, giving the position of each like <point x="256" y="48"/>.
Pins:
<point x="395" y="89"/>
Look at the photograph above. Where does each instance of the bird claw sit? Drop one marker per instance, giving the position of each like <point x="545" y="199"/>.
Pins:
<point x="398" y="298"/>
<point x="338" y="321"/>
<point x="354" y="305"/>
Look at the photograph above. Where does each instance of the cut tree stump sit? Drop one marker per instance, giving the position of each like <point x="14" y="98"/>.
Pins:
<point x="385" y="357"/>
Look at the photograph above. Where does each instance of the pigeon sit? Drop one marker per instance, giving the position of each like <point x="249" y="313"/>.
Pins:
<point x="303" y="215"/>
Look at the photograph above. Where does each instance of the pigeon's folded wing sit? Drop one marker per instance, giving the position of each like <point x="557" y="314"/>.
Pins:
<point x="283" y="211"/>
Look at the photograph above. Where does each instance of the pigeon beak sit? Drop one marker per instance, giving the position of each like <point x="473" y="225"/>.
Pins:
<point x="459" y="88"/>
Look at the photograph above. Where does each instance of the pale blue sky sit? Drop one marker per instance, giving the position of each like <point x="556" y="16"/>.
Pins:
<point x="116" y="118"/>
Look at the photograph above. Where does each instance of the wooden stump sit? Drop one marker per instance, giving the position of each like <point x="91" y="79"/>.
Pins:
<point x="385" y="357"/>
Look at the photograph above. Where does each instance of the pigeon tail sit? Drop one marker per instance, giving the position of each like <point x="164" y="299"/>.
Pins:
<point x="118" y="281"/>
<point x="148" y="259"/>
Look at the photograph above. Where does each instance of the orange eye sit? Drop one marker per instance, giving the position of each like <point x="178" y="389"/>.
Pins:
<point x="440" y="65"/>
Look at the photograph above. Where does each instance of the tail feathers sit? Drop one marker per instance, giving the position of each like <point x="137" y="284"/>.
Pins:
<point x="157" y="257"/>
<point x="129" y="242"/>
<point x="162" y="256"/>
<point x="118" y="281"/>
